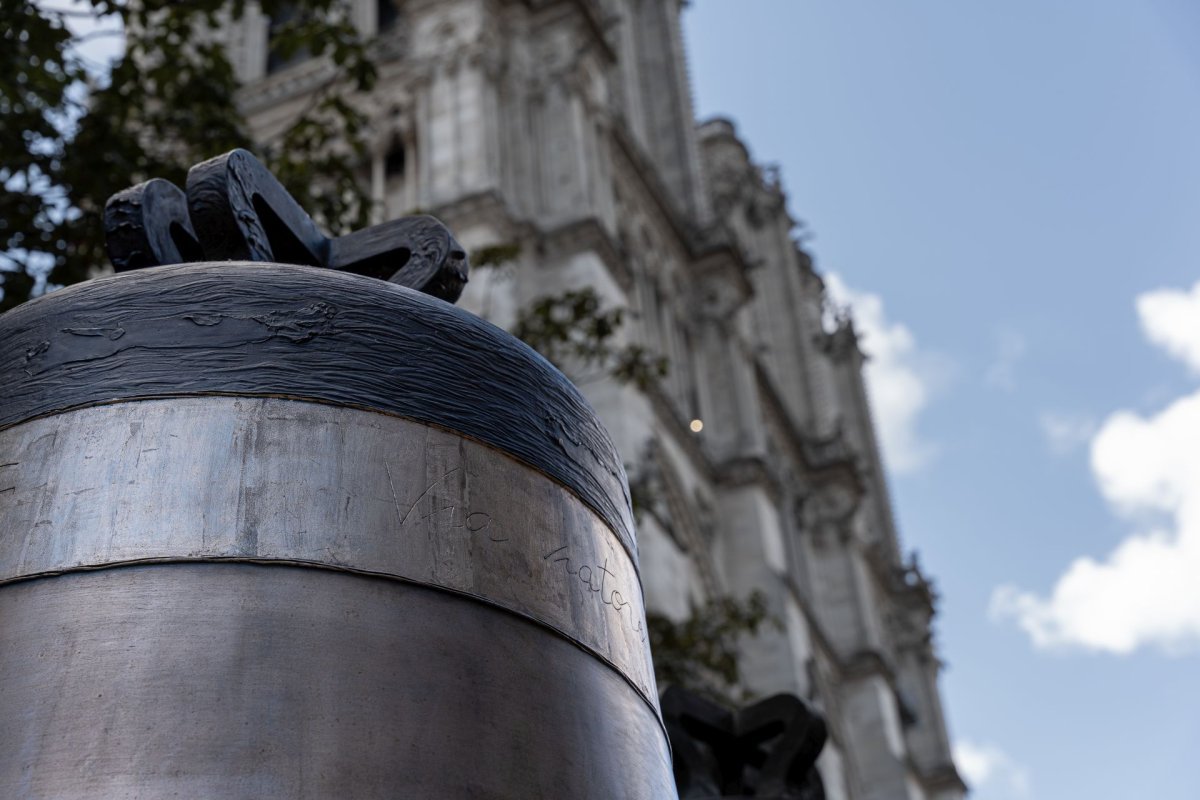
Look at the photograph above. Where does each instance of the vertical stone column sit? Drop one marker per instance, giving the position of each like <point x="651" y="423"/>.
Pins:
<point x="750" y="555"/>
<point x="749" y="550"/>
<point x="917" y="669"/>
<point x="666" y="104"/>
<point x="733" y="426"/>
<point x="875" y="746"/>
<point x="826" y="513"/>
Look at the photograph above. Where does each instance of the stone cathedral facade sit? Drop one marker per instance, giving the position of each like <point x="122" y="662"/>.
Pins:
<point x="566" y="127"/>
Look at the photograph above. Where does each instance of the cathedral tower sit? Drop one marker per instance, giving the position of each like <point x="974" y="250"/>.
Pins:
<point x="566" y="127"/>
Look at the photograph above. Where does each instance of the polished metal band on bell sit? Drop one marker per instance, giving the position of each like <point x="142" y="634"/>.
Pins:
<point x="273" y="480"/>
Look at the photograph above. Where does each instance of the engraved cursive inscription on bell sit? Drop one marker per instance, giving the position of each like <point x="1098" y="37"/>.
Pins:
<point x="289" y="532"/>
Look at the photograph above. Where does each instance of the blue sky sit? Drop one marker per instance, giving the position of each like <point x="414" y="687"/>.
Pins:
<point x="1008" y="194"/>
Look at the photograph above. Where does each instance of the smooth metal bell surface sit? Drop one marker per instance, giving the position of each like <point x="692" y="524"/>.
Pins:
<point x="273" y="531"/>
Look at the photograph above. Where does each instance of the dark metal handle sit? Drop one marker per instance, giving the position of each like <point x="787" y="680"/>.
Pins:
<point x="235" y="209"/>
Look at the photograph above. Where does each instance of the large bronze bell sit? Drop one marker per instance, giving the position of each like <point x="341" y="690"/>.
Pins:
<point x="288" y="531"/>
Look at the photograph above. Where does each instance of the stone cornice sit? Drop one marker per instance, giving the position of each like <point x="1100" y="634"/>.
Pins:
<point x="294" y="81"/>
<point x="941" y="779"/>
<point x="488" y="205"/>
<point x="868" y="663"/>
<point x="741" y="471"/>
<point x="587" y="233"/>
<point x="640" y="165"/>
<point x="586" y="10"/>
<point x="721" y="266"/>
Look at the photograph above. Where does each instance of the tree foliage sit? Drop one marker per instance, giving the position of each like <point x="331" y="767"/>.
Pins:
<point x="573" y="329"/>
<point x="700" y="653"/>
<point x="70" y="139"/>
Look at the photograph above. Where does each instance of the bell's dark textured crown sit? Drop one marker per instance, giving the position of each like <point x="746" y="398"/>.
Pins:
<point x="323" y="329"/>
<point x="235" y="210"/>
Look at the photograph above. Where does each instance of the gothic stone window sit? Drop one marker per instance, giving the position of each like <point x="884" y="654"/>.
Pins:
<point x="277" y="60"/>
<point x="396" y="160"/>
<point x="387" y="12"/>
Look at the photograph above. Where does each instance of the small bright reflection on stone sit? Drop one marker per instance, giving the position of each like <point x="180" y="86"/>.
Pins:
<point x="696" y="426"/>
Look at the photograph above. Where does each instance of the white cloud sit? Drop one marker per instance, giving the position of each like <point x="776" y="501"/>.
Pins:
<point x="1066" y="432"/>
<point x="1169" y="319"/>
<point x="1010" y="349"/>
<point x="897" y="378"/>
<point x="990" y="772"/>
<point x="1146" y="591"/>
